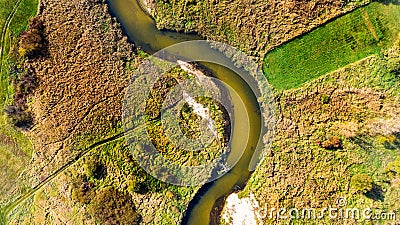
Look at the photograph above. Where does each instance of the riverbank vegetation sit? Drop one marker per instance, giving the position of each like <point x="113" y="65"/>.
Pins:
<point x="363" y="111"/>
<point x="189" y="123"/>
<point x="77" y="105"/>
<point x="255" y="27"/>
<point x="354" y="36"/>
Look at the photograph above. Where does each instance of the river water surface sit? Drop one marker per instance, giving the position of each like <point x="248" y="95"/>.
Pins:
<point x="141" y="30"/>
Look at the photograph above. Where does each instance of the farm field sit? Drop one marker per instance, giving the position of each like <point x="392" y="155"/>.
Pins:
<point x="345" y="40"/>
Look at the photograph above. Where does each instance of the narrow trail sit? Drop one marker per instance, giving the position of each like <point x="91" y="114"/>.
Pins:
<point x="9" y="208"/>
<point x="4" y="212"/>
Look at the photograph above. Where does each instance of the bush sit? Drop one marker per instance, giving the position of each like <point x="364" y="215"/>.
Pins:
<point x="24" y="85"/>
<point x="26" y="82"/>
<point x="95" y="170"/>
<point x="83" y="193"/>
<point x="36" y="24"/>
<point x="19" y="117"/>
<point x="394" y="166"/>
<point x="325" y="99"/>
<point x="361" y="183"/>
<point x="31" y="41"/>
<point x="332" y="143"/>
<point x="386" y="139"/>
<point x="111" y="206"/>
<point x="133" y="183"/>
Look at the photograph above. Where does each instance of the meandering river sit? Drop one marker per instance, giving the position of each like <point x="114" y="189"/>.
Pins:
<point x="141" y="30"/>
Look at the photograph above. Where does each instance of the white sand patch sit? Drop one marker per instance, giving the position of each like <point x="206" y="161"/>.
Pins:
<point x="240" y="211"/>
<point x="201" y="111"/>
<point x="197" y="107"/>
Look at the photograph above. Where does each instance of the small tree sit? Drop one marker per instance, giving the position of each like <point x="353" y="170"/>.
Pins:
<point x="36" y="24"/>
<point x="332" y="143"/>
<point x="111" y="206"/>
<point x="83" y="193"/>
<point x="18" y="112"/>
<point x="19" y="117"/>
<point x="361" y="183"/>
<point x="31" y="41"/>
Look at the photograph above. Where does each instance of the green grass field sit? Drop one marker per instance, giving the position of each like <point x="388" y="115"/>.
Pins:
<point x="15" y="147"/>
<point x="345" y="40"/>
<point x="14" y="19"/>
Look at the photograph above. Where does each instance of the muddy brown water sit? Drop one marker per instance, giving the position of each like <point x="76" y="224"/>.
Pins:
<point x="142" y="31"/>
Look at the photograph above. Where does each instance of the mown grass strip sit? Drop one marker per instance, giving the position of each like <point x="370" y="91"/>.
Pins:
<point x="345" y="40"/>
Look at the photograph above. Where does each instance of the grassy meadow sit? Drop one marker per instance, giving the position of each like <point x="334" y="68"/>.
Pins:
<point x="13" y="21"/>
<point x="345" y="40"/>
<point x="15" y="147"/>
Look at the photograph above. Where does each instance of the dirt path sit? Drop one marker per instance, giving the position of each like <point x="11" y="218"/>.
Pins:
<point x="8" y="209"/>
<point x="4" y="212"/>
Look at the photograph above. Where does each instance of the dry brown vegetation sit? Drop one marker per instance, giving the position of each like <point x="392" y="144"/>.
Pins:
<point x="82" y="80"/>
<point x="110" y="206"/>
<point x="332" y="143"/>
<point x="255" y="26"/>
